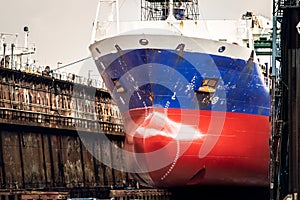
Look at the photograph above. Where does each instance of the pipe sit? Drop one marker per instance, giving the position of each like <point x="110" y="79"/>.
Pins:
<point x="4" y="53"/>
<point x="12" y="55"/>
<point x="26" y="30"/>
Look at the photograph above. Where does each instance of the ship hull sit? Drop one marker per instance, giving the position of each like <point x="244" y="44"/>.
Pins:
<point x="195" y="111"/>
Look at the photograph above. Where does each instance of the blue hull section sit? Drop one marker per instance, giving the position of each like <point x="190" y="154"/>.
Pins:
<point x="169" y="79"/>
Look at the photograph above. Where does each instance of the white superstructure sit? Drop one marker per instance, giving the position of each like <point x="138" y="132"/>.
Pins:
<point x="241" y="31"/>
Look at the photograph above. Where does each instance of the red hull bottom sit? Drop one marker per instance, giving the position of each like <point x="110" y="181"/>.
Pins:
<point x="178" y="147"/>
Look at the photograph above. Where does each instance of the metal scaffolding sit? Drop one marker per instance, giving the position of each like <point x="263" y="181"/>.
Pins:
<point x="156" y="10"/>
<point x="284" y="139"/>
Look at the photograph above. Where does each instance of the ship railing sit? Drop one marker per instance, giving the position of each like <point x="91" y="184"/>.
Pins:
<point x="109" y="29"/>
<point x="64" y="76"/>
<point x="15" y="62"/>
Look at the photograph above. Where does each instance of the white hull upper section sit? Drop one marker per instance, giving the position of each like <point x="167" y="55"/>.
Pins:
<point x="230" y="31"/>
<point x="168" y="41"/>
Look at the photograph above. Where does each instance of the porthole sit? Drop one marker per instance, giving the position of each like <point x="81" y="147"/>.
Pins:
<point x="144" y="41"/>
<point x="221" y="49"/>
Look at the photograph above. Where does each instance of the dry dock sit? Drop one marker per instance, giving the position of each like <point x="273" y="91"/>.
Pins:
<point x="42" y="156"/>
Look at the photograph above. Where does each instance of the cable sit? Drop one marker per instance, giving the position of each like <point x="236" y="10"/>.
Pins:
<point x="71" y="63"/>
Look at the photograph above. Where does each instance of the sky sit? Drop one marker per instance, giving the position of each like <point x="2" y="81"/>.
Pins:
<point x="61" y="29"/>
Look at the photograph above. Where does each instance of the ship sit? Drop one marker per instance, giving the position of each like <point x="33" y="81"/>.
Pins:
<point x="193" y="97"/>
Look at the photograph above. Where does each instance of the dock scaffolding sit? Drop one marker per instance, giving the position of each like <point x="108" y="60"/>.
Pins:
<point x="276" y="102"/>
<point x="285" y="118"/>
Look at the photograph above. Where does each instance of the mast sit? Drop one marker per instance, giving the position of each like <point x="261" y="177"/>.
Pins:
<point x="26" y="30"/>
<point x="118" y="16"/>
<point x="95" y="23"/>
<point x="171" y="10"/>
<point x="109" y="14"/>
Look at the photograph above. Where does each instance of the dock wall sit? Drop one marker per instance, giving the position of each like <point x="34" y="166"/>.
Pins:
<point x="40" y="117"/>
<point x="38" y="158"/>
